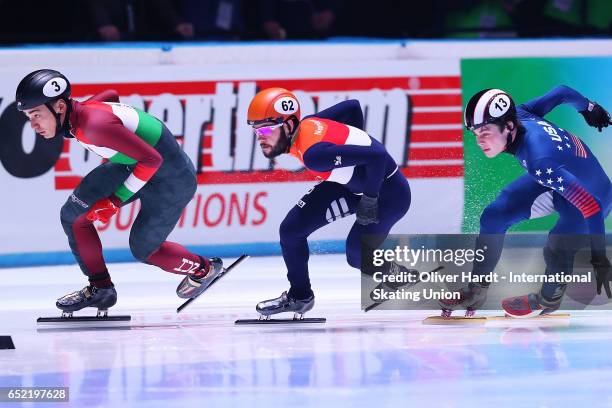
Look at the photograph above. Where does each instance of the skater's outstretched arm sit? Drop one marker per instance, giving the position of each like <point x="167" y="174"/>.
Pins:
<point x="595" y="115"/>
<point x="559" y="95"/>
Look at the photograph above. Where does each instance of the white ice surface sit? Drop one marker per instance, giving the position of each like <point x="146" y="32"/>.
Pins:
<point x="378" y="359"/>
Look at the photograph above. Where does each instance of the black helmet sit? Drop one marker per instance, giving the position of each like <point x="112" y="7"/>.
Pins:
<point x="41" y="87"/>
<point x="489" y="106"/>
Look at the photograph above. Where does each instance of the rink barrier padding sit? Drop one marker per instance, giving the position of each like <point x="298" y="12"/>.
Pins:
<point x="124" y="255"/>
<point x="221" y="250"/>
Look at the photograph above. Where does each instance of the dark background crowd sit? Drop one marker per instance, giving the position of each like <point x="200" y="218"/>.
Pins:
<point x="24" y="21"/>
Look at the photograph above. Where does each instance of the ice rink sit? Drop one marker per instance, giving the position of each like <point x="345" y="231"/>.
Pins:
<point x="382" y="358"/>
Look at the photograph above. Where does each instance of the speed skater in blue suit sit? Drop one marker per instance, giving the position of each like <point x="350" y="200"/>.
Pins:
<point x="562" y="175"/>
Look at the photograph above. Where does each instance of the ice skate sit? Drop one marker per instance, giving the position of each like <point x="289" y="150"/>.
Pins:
<point x="284" y="303"/>
<point x="396" y="270"/>
<point x="472" y="298"/>
<point x="193" y="285"/>
<point x="530" y="305"/>
<point x="89" y="296"/>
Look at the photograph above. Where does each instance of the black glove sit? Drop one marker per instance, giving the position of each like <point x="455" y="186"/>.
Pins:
<point x="603" y="275"/>
<point x="596" y="116"/>
<point x="367" y="210"/>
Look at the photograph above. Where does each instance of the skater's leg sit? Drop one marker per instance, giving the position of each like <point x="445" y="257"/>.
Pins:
<point x="520" y="200"/>
<point x="569" y="234"/>
<point x="393" y="203"/>
<point x="325" y="203"/>
<point x="161" y="207"/>
<point x="82" y="235"/>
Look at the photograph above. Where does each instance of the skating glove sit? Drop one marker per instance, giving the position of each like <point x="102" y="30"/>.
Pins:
<point x="596" y="116"/>
<point x="102" y="210"/>
<point x="367" y="210"/>
<point x="603" y="275"/>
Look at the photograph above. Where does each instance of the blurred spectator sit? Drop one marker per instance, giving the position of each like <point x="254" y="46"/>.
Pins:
<point x="172" y="20"/>
<point x="479" y="18"/>
<point x="576" y="17"/>
<point x="113" y="20"/>
<point x="297" y="19"/>
<point x="210" y="19"/>
<point x="137" y="20"/>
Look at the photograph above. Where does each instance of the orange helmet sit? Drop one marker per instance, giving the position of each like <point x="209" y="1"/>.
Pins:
<point x="273" y="105"/>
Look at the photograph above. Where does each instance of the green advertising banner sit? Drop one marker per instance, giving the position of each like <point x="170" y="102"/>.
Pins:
<point x="525" y="79"/>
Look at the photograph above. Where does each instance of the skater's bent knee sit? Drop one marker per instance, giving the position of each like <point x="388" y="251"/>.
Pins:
<point x="290" y="229"/>
<point x="354" y="260"/>
<point x="139" y="251"/>
<point x="70" y="212"/>
<point x="495" y="219"/>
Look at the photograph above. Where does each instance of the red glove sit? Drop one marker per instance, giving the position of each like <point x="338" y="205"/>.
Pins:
<point x="102" y="210"/>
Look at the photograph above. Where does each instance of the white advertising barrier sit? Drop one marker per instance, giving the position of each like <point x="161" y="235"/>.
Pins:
<point x="413" y="107"/>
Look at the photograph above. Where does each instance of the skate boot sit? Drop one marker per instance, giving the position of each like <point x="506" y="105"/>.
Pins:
<point x="193" y="285"/>
<point x="285" y="303"/>
<point x="89" y="296"/>
<point x="400" y="274"/>
<point x="530" y="305"/>
<point x="471" y="298"/>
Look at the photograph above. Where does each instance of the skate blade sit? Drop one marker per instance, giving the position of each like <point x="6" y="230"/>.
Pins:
<point x="551" y="316"/>
<point x="454" y="321"/>
<point x="281" y="321"/>
<point x="221" y="275"/>
<point x="83" y="323"/>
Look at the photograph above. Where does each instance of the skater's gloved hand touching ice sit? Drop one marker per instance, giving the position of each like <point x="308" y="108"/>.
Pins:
<point x="596" y="116"/>
<point x="367" y="210"/>
<point x="102" y="210"/>
<point x="603" y="274"/>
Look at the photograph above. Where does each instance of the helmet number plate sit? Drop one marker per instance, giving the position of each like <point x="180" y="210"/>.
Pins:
<point x="55" y="87"/>
<point x="499" y="106"/>
<point x="286" y="105"/>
